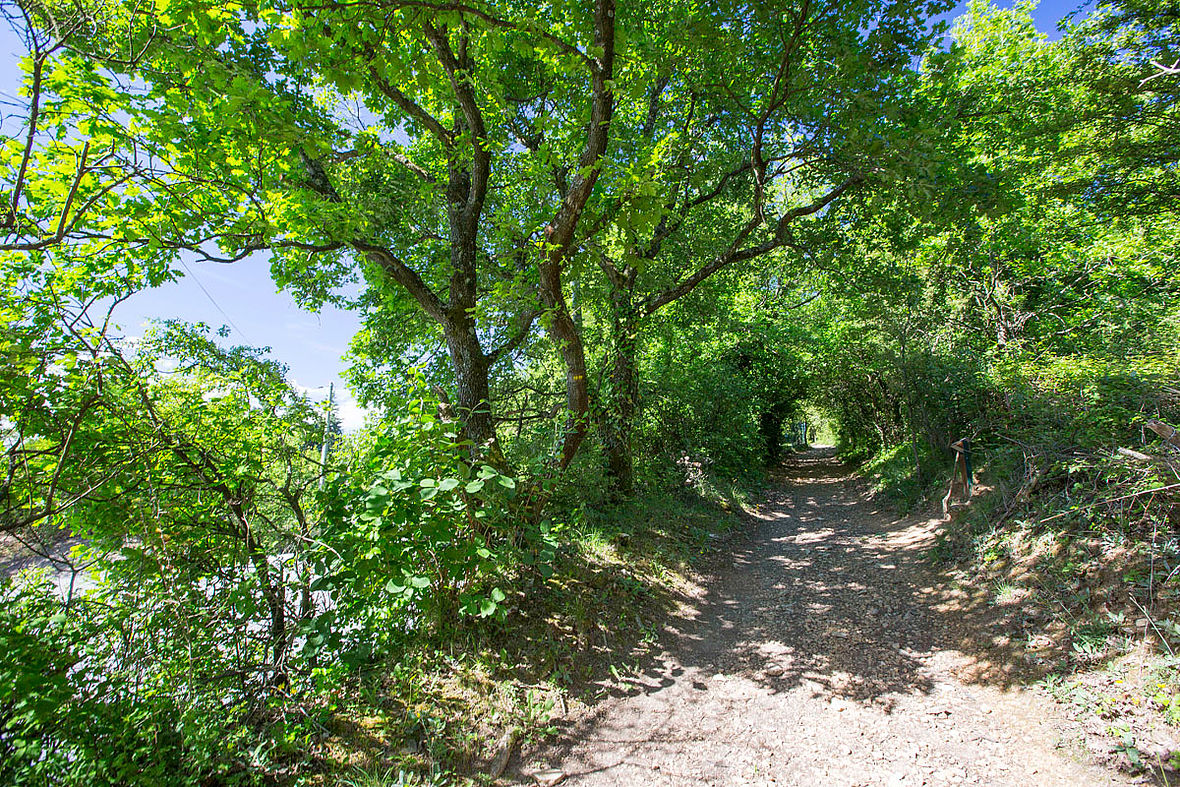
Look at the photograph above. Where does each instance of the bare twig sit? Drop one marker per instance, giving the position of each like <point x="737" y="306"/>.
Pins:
<point x="1164" y="71"/>
<point x="1132" y="496"/>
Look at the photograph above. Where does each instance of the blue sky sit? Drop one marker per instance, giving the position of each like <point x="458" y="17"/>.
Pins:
<point x="243" y="297"/>
<point x="1046" y="15"/>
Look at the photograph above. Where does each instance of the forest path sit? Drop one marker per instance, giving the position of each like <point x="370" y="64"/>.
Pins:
<point x="829" y="653"/>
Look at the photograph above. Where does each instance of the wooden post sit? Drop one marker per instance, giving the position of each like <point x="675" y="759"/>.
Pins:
<point x="962" y="469"/>
<point x="1165" y="431"/>
<point x="327" y="434"/>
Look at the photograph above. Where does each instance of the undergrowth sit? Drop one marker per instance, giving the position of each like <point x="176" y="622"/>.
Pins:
<point x="1073" y="537"/>
<point x="894" y="474"/>
<point x="445" y="709"/>
<point x="1087" y="543"/>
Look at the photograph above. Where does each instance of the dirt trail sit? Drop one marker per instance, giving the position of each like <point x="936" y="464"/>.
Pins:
<point x="830" y="654"/>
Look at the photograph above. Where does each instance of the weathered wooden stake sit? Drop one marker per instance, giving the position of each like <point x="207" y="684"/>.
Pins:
<point x="962" y="449"/>
<point x="1166" y="431"/>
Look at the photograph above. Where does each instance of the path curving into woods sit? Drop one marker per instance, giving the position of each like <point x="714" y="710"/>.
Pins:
<point x="829" y="653"/>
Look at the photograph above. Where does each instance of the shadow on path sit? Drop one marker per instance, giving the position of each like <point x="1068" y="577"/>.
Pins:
<point x="824" y="651"/>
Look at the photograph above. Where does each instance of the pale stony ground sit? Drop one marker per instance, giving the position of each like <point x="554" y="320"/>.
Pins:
<point x="829" y="654"/>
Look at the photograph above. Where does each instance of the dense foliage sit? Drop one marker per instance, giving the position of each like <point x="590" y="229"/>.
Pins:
<point x="604" y="253"/>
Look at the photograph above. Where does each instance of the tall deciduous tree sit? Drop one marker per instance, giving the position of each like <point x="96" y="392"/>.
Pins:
<point x="447" y="151"/>
<point x="372" y="139"/>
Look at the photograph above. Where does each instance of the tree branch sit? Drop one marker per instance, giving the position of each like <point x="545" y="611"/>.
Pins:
<point x="460" y="75"/>
<point x="735" y="254"/>
<point x="407" y="277"/>
<point x="414" y="110"/>
<point x="513" y="342"/>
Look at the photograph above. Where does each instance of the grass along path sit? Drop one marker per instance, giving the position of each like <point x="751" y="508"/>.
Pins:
<point x="828" y="653"/>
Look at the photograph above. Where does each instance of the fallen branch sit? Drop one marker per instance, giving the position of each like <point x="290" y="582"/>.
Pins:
<point x="1138" y="457"/>
<point x="1167" y="488"/>
<point x="503" y="754"/>
<point x="1031" y="478"/>
<point x="1151" y="622"/>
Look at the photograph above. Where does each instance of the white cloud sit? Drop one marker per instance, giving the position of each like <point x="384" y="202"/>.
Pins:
<point x="352" y="416"/>
<point x="327" y="348"/>
<point x="348" y="411"/>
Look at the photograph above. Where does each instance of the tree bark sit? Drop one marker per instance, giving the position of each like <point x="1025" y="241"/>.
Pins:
<point x="472" y="395"/>
<point x="1166" y="431"/>
<point x="569" y="344"/>
<point x="617" y="421"/>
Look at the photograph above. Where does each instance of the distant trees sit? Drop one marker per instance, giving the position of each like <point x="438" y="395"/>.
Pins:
<point x="1038" y="277"/>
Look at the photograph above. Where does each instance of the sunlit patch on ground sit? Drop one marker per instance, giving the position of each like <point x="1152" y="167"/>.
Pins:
<point x="826" y="651"/>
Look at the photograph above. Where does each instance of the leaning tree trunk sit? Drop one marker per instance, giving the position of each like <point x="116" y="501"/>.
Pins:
<point x="569" y="344"/>
<point x="560" y="237"/>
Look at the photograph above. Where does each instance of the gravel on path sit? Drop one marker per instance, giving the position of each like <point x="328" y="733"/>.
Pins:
<point x="830" y="653"/>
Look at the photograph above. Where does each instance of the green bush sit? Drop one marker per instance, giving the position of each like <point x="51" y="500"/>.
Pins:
<point x="74" y="713"/>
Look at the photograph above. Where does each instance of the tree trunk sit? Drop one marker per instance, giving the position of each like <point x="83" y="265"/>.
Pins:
<point x="569" y="345"/>
<point x="560" y="236"/>
<point x="622" y="399"/>
<point x="472" y="396"/>
<point x="273" y="592"/>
